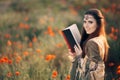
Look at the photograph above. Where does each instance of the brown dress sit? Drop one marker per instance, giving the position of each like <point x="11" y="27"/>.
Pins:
<point x="92" y="66"/>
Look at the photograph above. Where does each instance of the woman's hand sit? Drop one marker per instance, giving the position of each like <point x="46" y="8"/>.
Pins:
<point x="78" y="51"/>
<point x="72" y="55"/>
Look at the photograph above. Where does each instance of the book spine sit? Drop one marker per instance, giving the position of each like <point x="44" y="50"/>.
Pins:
<point x="67" y="42"/>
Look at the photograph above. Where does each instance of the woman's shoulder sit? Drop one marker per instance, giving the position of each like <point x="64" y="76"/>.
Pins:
<point x="99" y="41"/>
<point x="96" y="39"/>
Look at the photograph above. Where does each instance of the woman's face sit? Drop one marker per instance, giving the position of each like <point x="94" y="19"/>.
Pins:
<point x="89" y="24"/>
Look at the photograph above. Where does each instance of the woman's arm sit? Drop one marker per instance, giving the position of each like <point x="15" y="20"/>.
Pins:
<point x="92" y="51"/>
<point x="75" y="55"/>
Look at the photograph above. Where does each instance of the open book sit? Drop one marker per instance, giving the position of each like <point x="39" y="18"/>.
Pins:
<point x="72" y="36"/>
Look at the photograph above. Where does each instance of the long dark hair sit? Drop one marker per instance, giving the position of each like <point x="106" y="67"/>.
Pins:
<point x="100" y="30"/>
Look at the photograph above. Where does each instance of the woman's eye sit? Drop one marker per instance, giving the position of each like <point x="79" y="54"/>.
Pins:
<point x="90" y="22"/>
<point x="84" y="21"/>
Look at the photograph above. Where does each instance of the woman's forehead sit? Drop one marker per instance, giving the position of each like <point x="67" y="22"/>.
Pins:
<point x="88" y="17"/>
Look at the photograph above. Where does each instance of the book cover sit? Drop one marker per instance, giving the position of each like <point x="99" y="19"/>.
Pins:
<point x="72" y="36"/>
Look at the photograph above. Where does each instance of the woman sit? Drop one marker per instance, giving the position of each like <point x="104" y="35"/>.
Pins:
<point x="89" y="64"/>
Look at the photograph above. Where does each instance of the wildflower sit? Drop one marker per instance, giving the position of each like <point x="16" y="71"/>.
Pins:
<point x="34" y="39"/>
<point x="17" y="73"/>
<point x="26" y="19"/>
<point x="30" y="44"/>
<point x="111" y="64"/>
<point x="59" y="45"/>
<point x="42" y="21"/>
<point x="26" y="26"/>
<point x="17" y="35"/>
<point x="19" y="45"/>
<point x="4" y="60"/>
<point x="68" y="77"/>
<point x="50" y="57"/>
<point x="60" y="32"/>
<point x="54" y="74"/>
<point x="38" y="50"/>
<point x="112" y="29"/>
<point x="15" y="54"/>
<point x="9" y="43"/>
<point x="118" y="67"/>
<point x="9" y="74"/>
<point x="50" y="31"/>
<point x="118" y="71"/>
<point x="116" y="30"/>
<point x="113" y="6"/>
<point x="73" y="11"/>
<point x="25" y="53"/>
<point x="7" y="36"/>
<point x="21" y="25"/>
<point x="113" y="36"/>
<point x="105" y="10"/>
<point x="18" y="59"/>
<point x="9" y="61"/>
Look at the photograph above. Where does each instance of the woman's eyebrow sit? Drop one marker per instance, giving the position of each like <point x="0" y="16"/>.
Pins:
<point x="87" y="19"/>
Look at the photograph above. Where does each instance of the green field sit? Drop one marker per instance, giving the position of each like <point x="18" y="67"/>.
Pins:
<point x="32" y="46"/>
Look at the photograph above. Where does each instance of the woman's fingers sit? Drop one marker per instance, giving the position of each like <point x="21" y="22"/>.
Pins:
<point x="77" y="50"/>
<point x="72" y="54"/>
<point x="69" y="50"/>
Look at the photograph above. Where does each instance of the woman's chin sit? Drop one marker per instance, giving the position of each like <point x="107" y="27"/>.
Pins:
<point x="88" y="32"/>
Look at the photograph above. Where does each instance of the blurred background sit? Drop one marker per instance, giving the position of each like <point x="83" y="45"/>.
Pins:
<point x="32" y="46"/>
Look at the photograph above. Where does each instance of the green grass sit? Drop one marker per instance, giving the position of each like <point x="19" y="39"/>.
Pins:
<point x="44" y="20"/>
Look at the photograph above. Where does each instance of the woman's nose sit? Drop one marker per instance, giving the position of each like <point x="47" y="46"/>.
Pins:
<point x="86" y="25"/>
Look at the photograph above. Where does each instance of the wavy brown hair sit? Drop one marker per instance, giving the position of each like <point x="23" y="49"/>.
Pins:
<point x="100" y="30"/>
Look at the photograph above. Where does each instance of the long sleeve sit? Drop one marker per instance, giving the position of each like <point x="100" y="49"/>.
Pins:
<point x="74" y="68"/>
<point x="94" y="69"/>
<point x="92" y="50"/>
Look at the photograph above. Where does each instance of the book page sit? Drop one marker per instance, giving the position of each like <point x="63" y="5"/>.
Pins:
<point x="76" y="34"/>
<point x="72" y="36"/>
